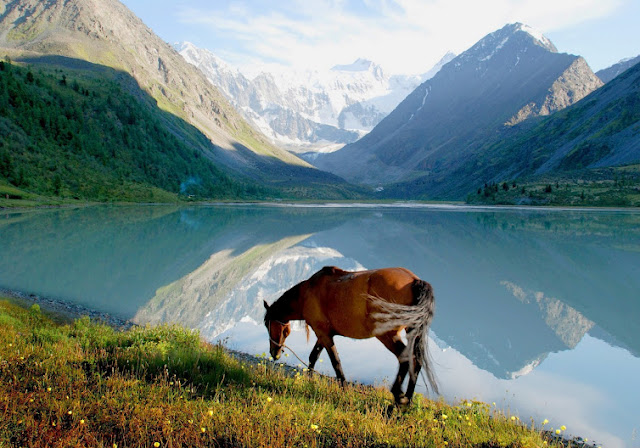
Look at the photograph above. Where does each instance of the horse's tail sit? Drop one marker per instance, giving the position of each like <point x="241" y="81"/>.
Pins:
<point x="416" y="318"/>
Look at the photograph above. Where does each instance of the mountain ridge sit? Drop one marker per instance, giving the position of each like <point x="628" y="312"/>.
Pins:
<point x="311" y="110"/>
<point x="107" y="33"/>
<point x="506" y="78"/>
<point x="609" y="73"/>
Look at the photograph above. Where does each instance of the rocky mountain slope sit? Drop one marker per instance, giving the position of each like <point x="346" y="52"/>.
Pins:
<point x="310" y="110"/>
<point x="609" y="73"/>
<point x="106" y="33"/>
<point x="506" y="78"/>
<point x="602" y="130"/>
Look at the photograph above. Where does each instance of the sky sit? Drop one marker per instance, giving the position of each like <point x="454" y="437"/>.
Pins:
<point x="404" y="36"/>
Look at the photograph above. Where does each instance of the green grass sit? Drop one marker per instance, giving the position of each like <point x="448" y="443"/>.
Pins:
<point x="85" y="384"/>
<point x="80" y="134"/>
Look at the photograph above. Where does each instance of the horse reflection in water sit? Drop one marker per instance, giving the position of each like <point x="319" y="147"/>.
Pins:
<point x="378" y="303"/>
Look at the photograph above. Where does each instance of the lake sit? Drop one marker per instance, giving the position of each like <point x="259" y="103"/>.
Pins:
<point x="537" y="310"/>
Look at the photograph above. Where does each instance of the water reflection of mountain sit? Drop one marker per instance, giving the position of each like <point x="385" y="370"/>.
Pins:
<point x="511" y="286"/>
<point x="507" y="295"/>
<point x="115" y="258"/>
<point x="227" y="289"/>
<point x="577" y="260"/>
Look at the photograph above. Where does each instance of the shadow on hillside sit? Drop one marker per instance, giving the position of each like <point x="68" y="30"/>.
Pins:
<point x="240" y="163"/>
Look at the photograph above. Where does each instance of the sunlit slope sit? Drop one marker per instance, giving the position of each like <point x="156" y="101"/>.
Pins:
<point x="106" y="33"/>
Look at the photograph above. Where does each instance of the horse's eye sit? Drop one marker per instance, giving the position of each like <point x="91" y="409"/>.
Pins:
<point x="287" y="331"/>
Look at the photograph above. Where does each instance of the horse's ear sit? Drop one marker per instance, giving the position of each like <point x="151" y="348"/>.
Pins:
<point x="266" y="305"/>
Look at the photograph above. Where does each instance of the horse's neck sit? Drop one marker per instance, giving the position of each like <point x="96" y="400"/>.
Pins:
<point x="289" y="306"/>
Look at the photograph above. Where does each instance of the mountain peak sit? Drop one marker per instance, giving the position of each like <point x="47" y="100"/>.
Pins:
<point x="540" y="38"/>
<point x="200" y="56"/>
<point x="516" y="36"/>
<point x="360" y="65"/>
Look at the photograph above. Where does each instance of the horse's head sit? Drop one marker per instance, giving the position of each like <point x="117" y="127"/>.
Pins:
<point x="278" y="332"/>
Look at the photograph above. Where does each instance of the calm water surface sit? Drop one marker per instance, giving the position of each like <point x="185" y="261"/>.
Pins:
<point x="536" y="310"/>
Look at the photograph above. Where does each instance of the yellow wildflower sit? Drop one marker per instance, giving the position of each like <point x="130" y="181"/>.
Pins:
<point x="203" y="429"/>
<point x="314" y="427"/>
<point x="558" y="431"/>
<point x="545" y="421"/>
<point x="210" y="413"/>
<point x="156" y="444"/>
<point x="269" y="399"/>
<point x="563" y="428"/>
<point x="82" y="421"/>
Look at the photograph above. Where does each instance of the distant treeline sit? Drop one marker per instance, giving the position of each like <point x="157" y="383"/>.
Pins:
<point x="85" y="137"/>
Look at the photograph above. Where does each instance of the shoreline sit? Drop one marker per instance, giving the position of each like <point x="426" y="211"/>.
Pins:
<point x="415" y="204"/>
<point x="69" y="312"/>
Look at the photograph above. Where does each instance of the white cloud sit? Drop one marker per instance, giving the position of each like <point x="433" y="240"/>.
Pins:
<point x="407" y="36"/>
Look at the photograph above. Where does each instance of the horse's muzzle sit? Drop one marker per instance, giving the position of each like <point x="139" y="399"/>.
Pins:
<point x="276" y="352"/>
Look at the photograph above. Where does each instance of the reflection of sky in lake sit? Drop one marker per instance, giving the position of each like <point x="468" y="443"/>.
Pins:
<point x="535" y="310"/>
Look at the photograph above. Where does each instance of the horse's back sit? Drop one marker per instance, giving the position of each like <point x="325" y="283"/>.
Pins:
<point x="341" y="299"/>
<point x="383" y="283"/>
<point x="387" y="283"/>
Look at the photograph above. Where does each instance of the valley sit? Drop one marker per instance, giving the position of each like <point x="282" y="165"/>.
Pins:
<point x="186" y="126"/>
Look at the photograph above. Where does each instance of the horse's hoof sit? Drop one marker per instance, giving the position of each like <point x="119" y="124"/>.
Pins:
<point x="403" y="403"/>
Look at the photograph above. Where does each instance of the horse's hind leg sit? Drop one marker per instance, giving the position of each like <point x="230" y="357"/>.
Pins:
<point x="417" y="365"/>
<point x="394" y="344"/>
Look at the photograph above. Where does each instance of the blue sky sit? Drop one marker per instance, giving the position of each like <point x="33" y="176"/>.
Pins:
<point x="404" y="36"/>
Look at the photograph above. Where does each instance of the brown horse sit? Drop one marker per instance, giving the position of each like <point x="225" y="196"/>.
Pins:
<point x="378" y="303"/>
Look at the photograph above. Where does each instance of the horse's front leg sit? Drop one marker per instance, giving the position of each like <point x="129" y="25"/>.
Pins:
<point x="335" y="361"/>
<point x="313" y="357"/>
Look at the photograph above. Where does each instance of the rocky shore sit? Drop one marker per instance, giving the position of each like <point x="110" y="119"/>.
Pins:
<point x="65" y="310"/>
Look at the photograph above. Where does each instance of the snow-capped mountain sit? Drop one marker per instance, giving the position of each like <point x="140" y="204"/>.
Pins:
<point x="310" y="110"/>
<point x="609" y="73"/>
<point x="507" y="77"/>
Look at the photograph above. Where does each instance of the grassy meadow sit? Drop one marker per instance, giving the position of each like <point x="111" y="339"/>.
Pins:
<point x="81" y="383"/>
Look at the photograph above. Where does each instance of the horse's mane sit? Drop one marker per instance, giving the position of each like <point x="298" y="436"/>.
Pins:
<point x="284" y="306"/>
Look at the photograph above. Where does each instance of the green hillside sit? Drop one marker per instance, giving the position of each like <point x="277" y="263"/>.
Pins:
<point x="590" y="147"/>
<point x="78" y="134"/>
<point x="601" y="187"/>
